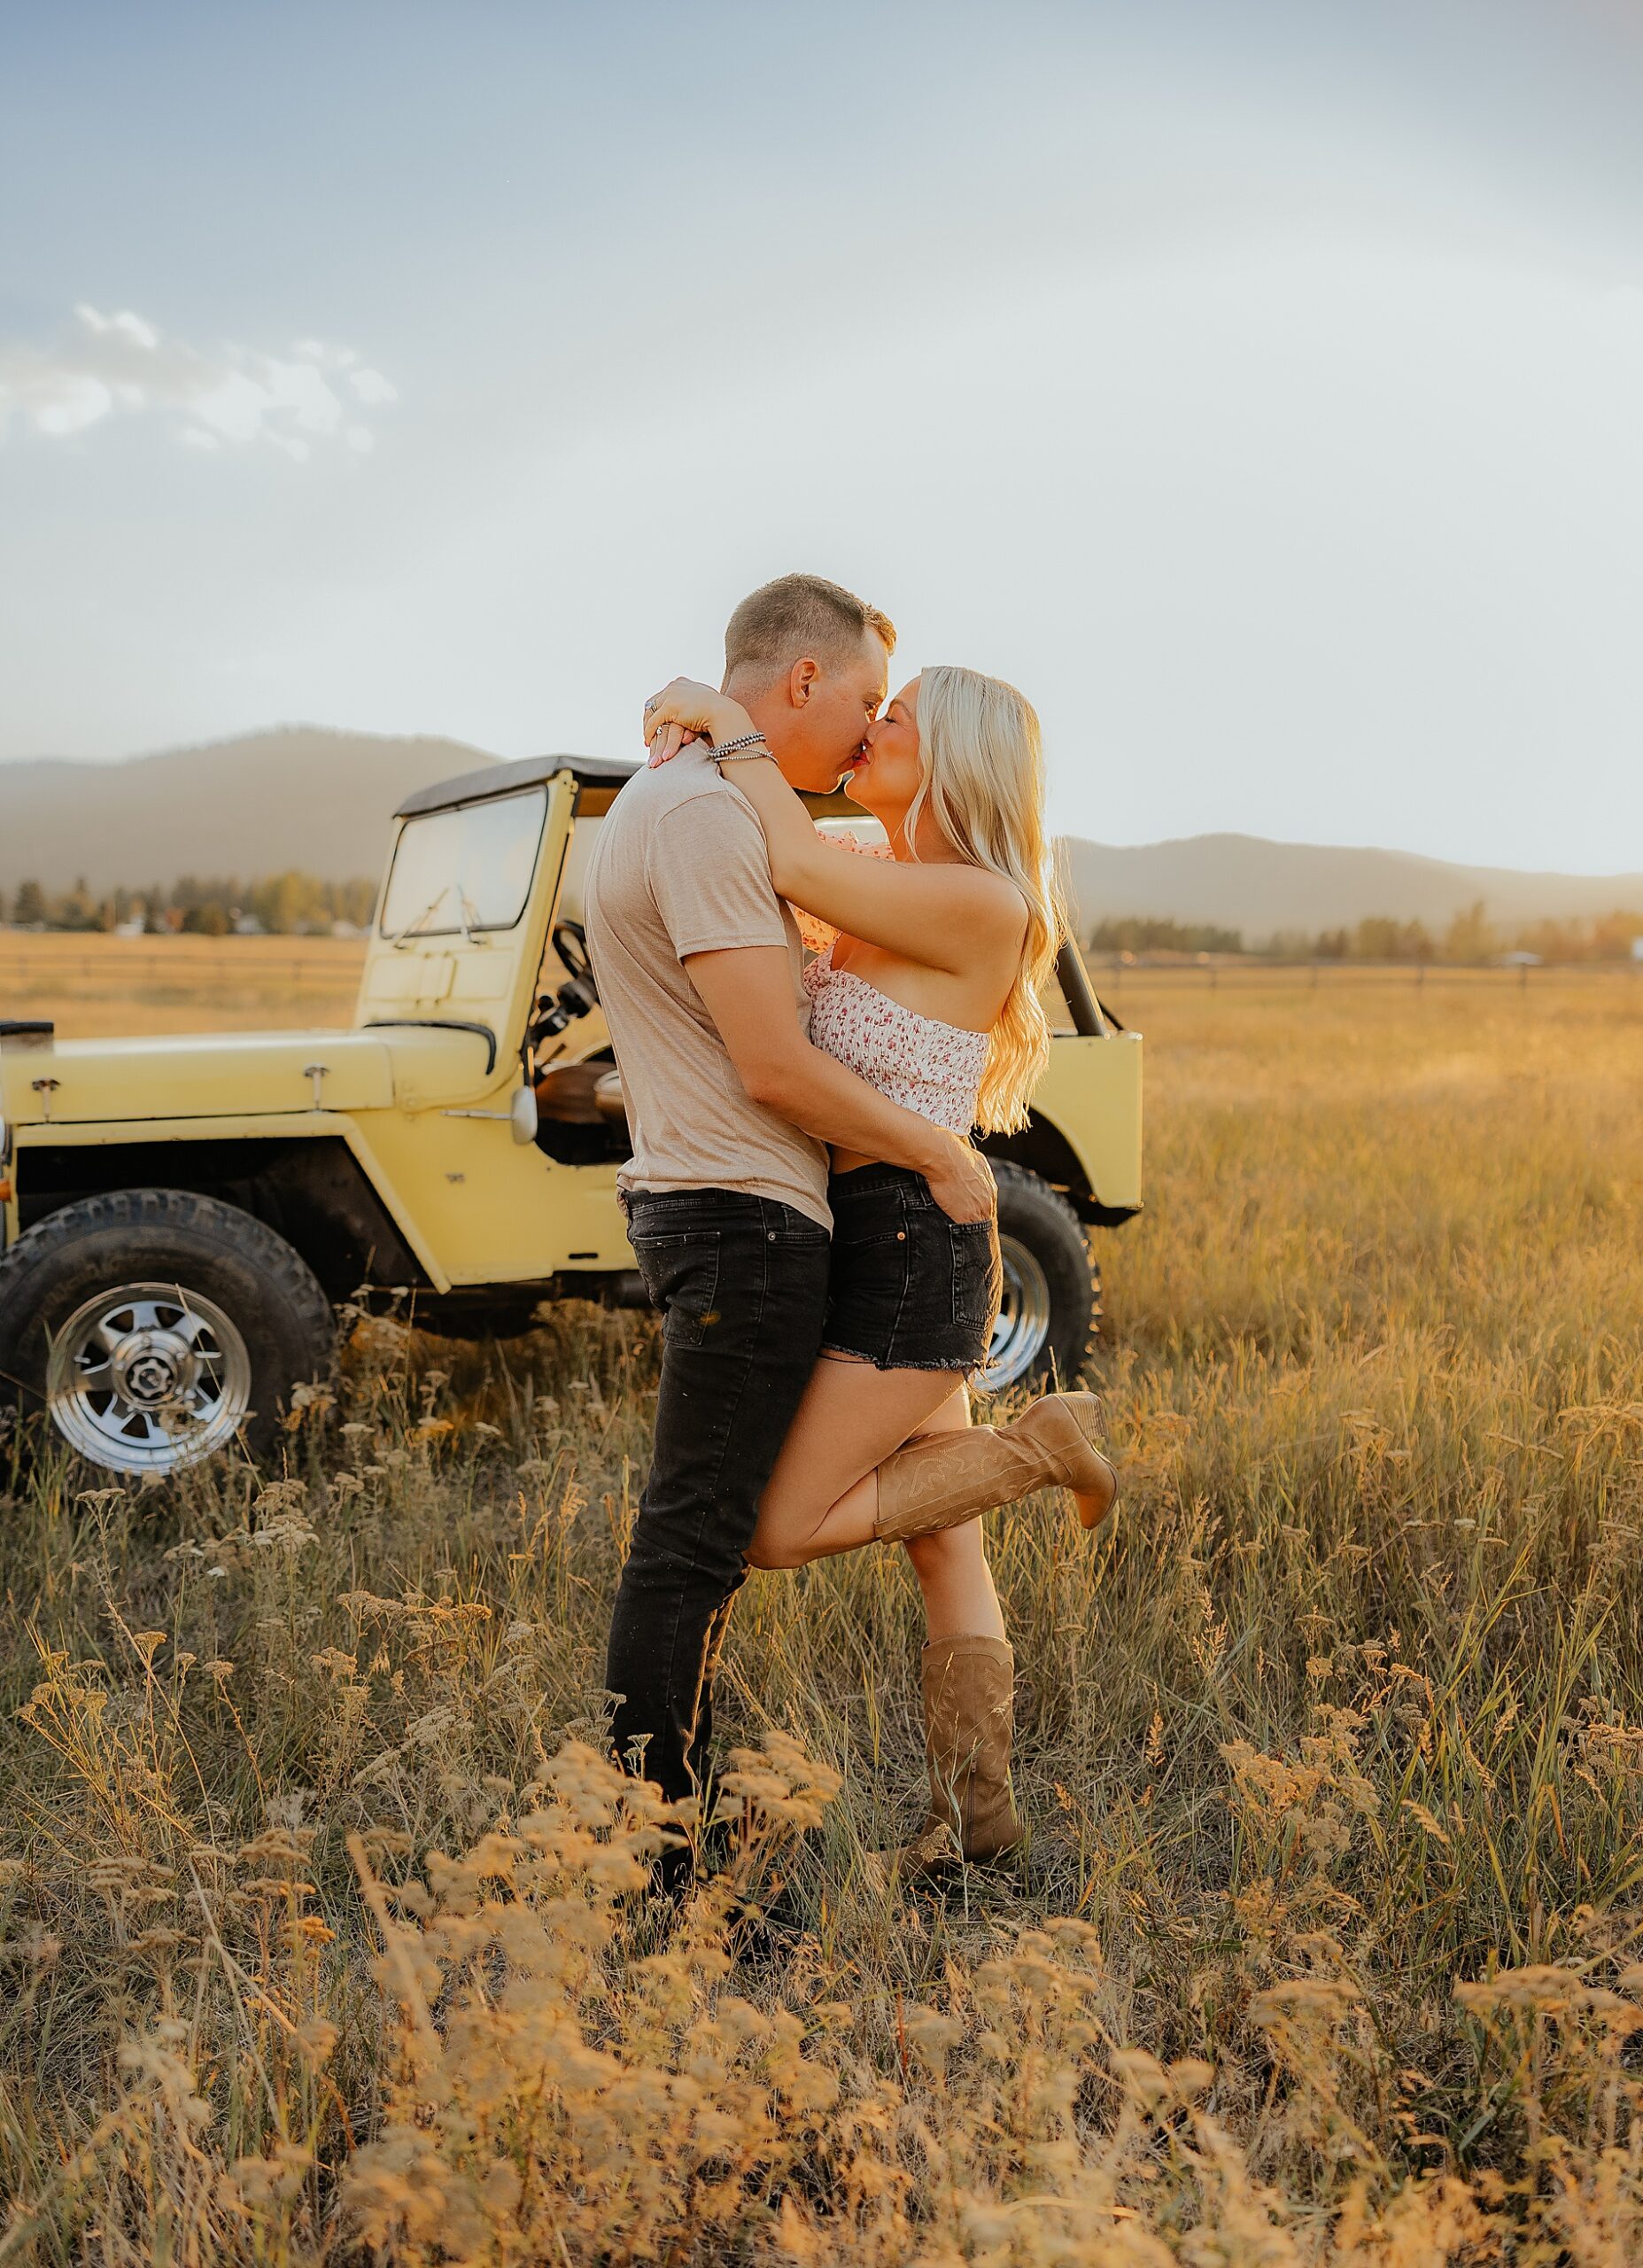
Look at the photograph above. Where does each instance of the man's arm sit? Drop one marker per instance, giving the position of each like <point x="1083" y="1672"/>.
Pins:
<point x="748" y="990"/>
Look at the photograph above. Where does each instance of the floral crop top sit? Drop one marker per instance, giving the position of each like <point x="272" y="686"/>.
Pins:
<point x="926" y="1066"/>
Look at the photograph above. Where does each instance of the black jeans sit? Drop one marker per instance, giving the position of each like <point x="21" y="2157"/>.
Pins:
<point x="742" y="1285"/>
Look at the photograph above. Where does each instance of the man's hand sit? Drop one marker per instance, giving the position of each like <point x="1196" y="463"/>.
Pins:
<point x="961" y="1181"/>
<point x="748" y="990"/>
<point x="682" y="711"/>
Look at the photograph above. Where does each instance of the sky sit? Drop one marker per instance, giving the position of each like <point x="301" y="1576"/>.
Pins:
<point x="1257" y="384"/>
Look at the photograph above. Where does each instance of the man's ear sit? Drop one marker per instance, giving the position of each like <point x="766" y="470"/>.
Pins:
<point x="803" y="679"/>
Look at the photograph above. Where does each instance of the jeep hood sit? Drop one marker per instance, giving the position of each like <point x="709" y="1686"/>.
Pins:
<point x="237" y="1075"/>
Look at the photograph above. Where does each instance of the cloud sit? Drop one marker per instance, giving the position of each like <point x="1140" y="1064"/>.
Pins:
<point x="108" y="365"/>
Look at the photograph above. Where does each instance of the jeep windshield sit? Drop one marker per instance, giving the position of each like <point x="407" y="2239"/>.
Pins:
<point x="458" y="872"/>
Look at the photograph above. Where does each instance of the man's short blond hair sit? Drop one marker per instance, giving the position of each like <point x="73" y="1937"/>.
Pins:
<point x="798" y="617"/>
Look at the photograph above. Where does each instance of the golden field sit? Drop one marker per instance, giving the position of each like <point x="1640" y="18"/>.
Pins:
<point x="321" y="1918"/>
<point x="91" y="984"/>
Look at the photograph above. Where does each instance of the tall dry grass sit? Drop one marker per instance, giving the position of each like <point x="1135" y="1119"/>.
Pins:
<point x="324" y="1927"/>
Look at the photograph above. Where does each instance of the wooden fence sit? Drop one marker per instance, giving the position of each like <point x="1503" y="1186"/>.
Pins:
<point x="1110" y="975"/>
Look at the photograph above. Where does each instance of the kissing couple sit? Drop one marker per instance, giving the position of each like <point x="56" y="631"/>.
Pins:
<point x="805" y="1202"/>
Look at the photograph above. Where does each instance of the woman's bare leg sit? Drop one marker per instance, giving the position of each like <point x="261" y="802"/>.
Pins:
<point x="852" y="1412"/>
<point x="822" y="1496"/>
<point x="959" y="1601"/>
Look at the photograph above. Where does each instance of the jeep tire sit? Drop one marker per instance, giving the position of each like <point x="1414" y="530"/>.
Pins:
<point x="157" y="1326"/>
<point x="1052" y="1301"/>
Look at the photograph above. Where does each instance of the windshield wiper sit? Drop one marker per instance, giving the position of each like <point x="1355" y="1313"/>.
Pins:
<point x="411" y="928"/>
<point x="465" y="908"/>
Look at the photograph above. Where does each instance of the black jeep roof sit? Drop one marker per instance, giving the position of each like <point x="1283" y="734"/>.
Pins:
<point x="598" y="777"/>
<point x="507" y="780"/>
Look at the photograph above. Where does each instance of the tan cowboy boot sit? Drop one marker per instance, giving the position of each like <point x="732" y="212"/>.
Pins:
<point x="943" y="1479"/>
<point x="969" y="1721"/>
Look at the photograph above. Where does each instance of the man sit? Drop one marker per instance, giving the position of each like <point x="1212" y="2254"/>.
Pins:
<point x="732" y="1111"/>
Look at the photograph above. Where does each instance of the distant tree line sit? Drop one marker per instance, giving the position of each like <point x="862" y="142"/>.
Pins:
<point x="284" y="905"/>
<point x="1470" y="939"/>
<point x="1135" y="934"/>
<point x="298" y="905"/>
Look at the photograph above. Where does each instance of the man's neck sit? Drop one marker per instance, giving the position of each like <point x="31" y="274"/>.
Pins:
<point x="772" y="715"/>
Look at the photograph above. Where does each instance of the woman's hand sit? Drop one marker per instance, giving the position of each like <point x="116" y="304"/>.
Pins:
<point x="685" y="711"/>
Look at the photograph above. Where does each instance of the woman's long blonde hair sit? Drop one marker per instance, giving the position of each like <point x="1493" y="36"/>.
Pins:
<point x="983" y="784"/>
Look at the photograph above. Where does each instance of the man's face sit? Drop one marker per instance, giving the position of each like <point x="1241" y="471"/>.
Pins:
<point x="818" y="715"/>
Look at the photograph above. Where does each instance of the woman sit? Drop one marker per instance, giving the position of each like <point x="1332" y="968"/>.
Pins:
<point x="930" y="989"/>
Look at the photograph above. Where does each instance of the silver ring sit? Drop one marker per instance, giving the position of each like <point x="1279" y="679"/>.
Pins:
<point x="649" y="705"/>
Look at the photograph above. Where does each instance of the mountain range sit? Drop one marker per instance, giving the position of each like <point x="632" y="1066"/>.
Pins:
<point x="1247" y="882"/>
<point x="319" y="801"/>
<point x="301" y="797"/>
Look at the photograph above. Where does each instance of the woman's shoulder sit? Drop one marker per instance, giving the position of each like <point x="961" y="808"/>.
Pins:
<point x="993" y="898"/>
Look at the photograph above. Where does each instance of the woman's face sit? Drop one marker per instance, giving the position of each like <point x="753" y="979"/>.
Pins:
<point x="885" y="777"/>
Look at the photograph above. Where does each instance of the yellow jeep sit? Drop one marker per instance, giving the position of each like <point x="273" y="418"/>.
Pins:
<point x="180" y="1217"/>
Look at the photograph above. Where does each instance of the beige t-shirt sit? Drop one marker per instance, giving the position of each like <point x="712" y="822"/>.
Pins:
<point x="679" y="868"/>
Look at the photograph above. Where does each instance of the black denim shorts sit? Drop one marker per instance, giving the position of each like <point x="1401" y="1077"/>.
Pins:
<point x="908" y="1288"/>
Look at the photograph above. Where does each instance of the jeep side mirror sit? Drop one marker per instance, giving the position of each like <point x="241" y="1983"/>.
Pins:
<point x="523" y="1116"/>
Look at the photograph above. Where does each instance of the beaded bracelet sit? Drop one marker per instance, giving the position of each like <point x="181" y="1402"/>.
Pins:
<point x="733" y="748"/>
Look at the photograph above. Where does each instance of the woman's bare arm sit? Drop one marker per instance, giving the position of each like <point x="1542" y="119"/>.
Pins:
<point x="940" y="916"/>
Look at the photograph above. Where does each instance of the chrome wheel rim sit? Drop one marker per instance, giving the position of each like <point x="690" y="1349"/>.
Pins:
<point x="147" y="1378"/>
<point x="1022" y="1331"/>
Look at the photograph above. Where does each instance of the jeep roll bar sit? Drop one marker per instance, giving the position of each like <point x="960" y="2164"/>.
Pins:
<point x="1090" y="1017"/>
